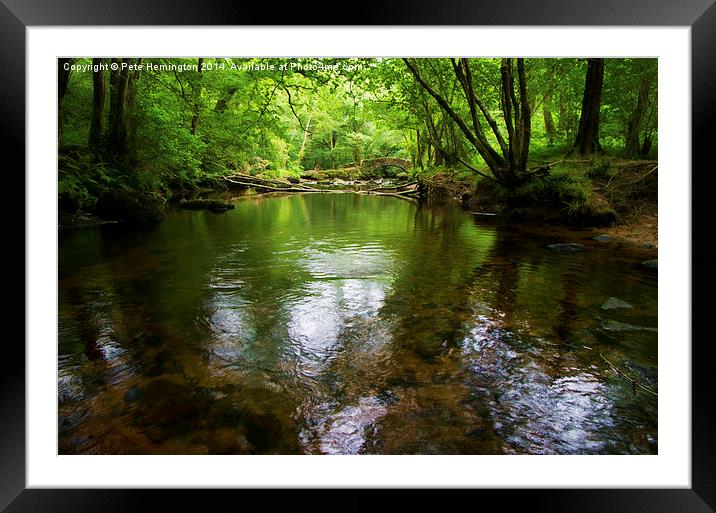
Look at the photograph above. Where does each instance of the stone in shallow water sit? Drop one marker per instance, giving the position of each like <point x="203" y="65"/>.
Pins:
<point x="567" y="247"/>
<point x="650" y="264"/>
<point x="613" y="303"/>
<point x="603" y="238"/>
<point x="648" y="245"/>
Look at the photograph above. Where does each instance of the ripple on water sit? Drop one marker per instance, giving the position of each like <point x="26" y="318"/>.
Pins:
<point x="535" y="411"/>
<point x="342" y="430"/>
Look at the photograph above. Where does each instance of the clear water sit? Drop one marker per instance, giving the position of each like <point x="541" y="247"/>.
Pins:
<point x="348" y="324"/>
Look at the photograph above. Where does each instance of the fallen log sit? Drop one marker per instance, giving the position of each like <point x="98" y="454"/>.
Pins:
<point x="287" y="188"/>
<point x="403" y="194"/>
<point x="395" y="187"/>
<point x="258" y="181"/>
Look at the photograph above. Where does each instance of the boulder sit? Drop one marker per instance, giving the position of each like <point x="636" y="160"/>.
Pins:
<point x="567" y="247"/>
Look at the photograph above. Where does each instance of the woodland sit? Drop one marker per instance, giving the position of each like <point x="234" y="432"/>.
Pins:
<point x="570" y="140"/>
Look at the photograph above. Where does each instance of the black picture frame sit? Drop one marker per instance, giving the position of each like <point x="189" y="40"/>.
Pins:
<point x="700" y="15"/>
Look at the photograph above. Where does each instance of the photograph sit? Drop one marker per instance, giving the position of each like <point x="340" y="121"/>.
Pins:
<point x="357" y="255"/>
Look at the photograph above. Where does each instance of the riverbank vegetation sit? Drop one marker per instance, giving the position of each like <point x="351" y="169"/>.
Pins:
<point x="569" y="140"/>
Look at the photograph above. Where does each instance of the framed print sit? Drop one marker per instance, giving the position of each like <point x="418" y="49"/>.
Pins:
<point x="318" y="319"/>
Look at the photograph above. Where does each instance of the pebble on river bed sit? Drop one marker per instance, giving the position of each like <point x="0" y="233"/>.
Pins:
<point x="603" y="238"/>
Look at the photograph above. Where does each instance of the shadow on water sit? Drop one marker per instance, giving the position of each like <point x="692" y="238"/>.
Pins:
<point x="349" y="324"/>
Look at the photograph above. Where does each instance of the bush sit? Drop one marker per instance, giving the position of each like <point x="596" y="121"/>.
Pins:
<point x="566" y="190"/>
<point x="599" y="168"/>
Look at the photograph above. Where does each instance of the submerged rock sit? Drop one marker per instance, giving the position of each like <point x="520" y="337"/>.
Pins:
<point x="613" y="303"/>
<point x="603" y="238"/>
<point x="567" y="247"/>
<point x="611" y="325"/>
<point x="648" y="245"/>
<point x="132" y="394"/>
<point x="650" y="264"/>
<point x="131" y="207"/>
<point x="170" y="407"/>
<point x="228" y="441"/>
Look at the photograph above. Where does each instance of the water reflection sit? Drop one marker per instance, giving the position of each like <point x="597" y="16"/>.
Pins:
<point x="346" y="324"/>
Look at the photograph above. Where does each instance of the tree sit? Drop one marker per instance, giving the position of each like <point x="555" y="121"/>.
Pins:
<point x="508" y="165"/>
<point x="587" y="142"/>
<point x="196" y="93"/>
<point x="116" y="146"/>
<point x="97" y="122"/>
<point x="548" y="120"/>
<point x="639" y="118"/>
<point x="63" y="78"/>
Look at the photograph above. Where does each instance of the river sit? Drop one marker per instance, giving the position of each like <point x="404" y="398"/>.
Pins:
<point x="352" y="324"/>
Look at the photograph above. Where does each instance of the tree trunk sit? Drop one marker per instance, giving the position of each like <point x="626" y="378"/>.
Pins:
<point x="476" y="137"/>
<point x="116" y="147"/>
<point x="97" y="122"/>
<point x="565" y="123"/>
<point x="132" y="84"/>
<point x="548" y="120"/>
<point x="306" y="132"/>
<point x="419" y="149"/>
<point x="587" y="142"/>
<point x="196" y="90"/>
<point x="632" y="145"/>
<point x="63" y="78"/>
<point x="357" y="157"/>
<point x="517" y="119"/>
<point x="646" y="146"/>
